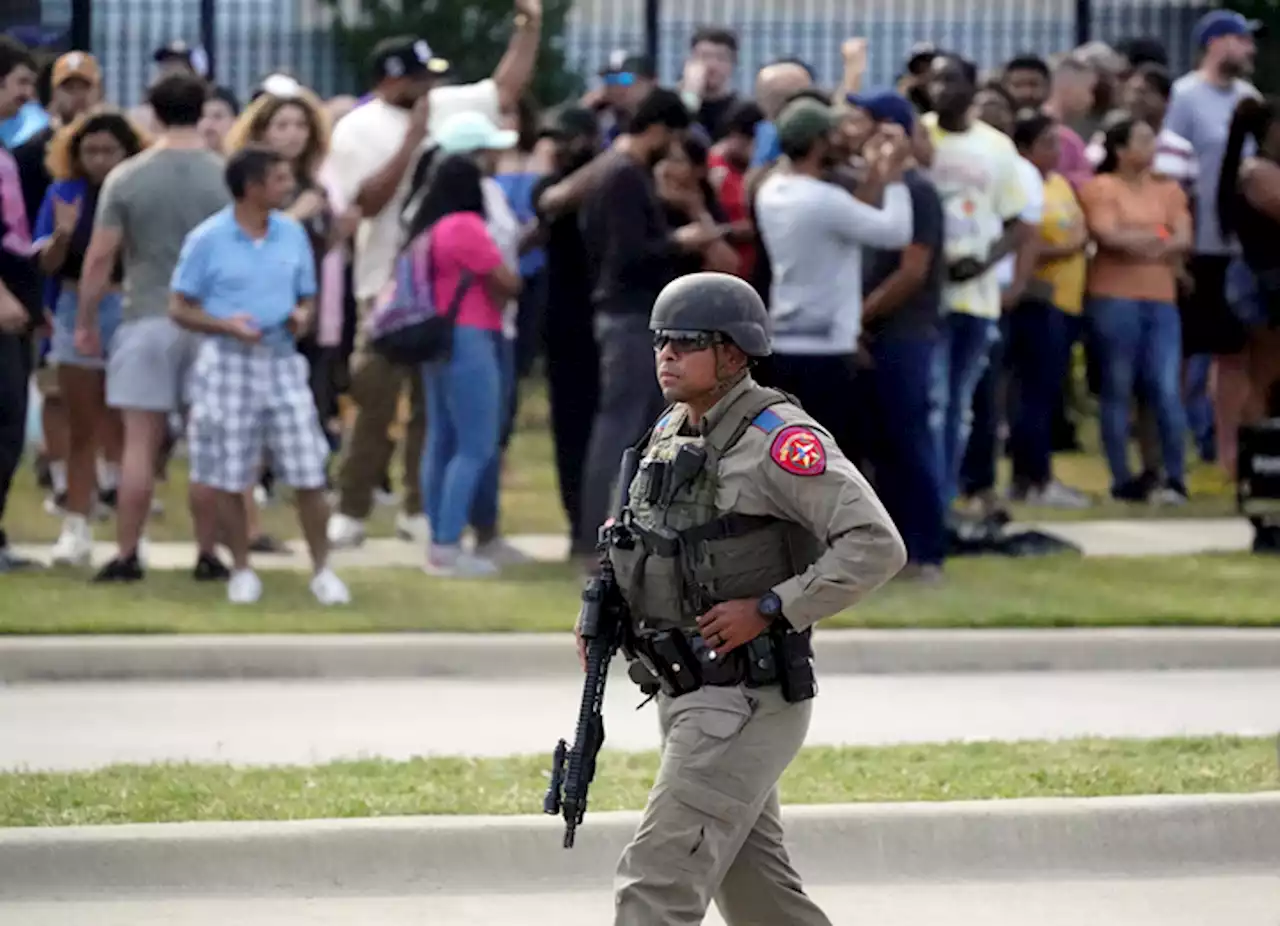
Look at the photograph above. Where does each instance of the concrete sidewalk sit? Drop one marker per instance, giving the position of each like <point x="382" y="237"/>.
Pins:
<point x="1150" y="537"/>
<point x="835" y="844"/>
<point x="520" y="655"/>
<point x="255" y="723"/>
<point x="1238" y="900"/>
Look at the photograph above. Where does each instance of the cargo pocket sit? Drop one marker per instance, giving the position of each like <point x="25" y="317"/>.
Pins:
<point x="698" y="761"/>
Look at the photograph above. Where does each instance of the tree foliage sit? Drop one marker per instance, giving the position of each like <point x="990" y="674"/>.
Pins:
<point x="471" y="34"/>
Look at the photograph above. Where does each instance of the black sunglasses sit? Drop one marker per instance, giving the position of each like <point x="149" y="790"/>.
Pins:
<point x="686" y="342"/>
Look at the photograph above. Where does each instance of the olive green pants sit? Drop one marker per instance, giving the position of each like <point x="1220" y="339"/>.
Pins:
<point x="712" y="829"/>
<point x="376" y="387"/>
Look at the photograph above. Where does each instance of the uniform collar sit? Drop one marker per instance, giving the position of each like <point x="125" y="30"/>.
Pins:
<point x="717" y="411"/>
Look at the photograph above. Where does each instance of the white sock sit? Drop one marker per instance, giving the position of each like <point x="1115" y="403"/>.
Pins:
<point x="75" y="522"/>
<point x="108" y="475"/>
<point x="58" y="473"/>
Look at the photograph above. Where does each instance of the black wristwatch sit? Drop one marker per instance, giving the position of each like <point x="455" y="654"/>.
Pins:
<point x="770" y="606"/>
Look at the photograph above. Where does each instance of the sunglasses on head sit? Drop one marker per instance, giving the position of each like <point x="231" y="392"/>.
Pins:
<point x="686" y="342"/>
<point x="619" y="80"/>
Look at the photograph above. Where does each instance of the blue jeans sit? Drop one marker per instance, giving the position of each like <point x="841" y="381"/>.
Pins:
<point x="464" y="408"/>
<point x="904" y="446"/>
<point x="485" y="508"/>
<point x="963" y="353"/>
<point x="1139" y="344"/>
<point x="1199" y="406"/>
<point x="1037" y="352"/>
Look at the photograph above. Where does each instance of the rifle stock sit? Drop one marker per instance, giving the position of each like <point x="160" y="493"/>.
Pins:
<point x="602" y="624"/>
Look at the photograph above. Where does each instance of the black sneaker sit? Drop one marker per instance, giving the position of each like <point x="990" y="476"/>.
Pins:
<point x="210" y="569"/>
<point x="109" y="498"/>
<point x="1266" y="538"/>
<point x="1135" y="490"/>
<point x="121" y="569"/>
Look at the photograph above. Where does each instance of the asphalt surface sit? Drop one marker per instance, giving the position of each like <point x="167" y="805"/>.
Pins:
<point x="69" y="726"/>
<point x="1235" y="900"/>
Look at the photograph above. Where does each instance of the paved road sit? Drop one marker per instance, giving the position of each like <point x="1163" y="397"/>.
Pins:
<point x="87" y="725"/>
<point x="1238" y="901"/>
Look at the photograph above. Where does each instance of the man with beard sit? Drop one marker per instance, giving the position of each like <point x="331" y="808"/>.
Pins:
<point x="815" y="233"/>
<point x="573" y="375"/>
<point x="1200" y="111"/>
<point x="373" y="155"/>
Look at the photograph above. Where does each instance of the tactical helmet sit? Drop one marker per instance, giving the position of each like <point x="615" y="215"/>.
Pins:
<point x="715" y="302"/>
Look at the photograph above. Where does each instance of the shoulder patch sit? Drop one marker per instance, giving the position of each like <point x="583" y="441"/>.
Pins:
<point x="799" y="451"/>
<point x="767" y="421"/>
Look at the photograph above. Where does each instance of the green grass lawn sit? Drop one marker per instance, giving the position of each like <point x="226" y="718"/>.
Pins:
<point x="376" y="788"/>
<point x="988" y="592"/>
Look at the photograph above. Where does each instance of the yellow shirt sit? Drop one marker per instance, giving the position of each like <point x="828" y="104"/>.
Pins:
<point x="1063" y="219"/>
<point x="976" y="174"/>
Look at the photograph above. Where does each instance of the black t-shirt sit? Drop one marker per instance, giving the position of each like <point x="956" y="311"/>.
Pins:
<point x="687" y="262"/>
<point x="919" y="315"/>
<point x="712" y="113"/>
<point x="630" y="254"/>
<point x="568" y="276"/>
<point x="30" y="156"/>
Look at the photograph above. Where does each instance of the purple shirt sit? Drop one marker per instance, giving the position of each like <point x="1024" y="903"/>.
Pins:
<point x="1073" y="162"/>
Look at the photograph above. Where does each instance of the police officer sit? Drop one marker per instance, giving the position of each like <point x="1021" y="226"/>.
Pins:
<point x="747" y="526"/>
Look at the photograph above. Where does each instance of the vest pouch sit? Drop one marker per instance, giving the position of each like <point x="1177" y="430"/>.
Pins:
<point x="746" y="566"/>
<point x="659" y="593"/>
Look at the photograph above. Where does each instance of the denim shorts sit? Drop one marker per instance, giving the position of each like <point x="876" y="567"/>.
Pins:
<point x="62" y="351"/>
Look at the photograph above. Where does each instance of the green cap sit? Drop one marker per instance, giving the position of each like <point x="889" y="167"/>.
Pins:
<point x="804" y="121"/>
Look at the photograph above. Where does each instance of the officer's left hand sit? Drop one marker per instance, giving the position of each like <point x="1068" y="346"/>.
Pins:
<point x="732" y="624"/>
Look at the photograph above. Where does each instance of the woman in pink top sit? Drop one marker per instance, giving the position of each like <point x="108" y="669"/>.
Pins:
<point x="451" y="247"/>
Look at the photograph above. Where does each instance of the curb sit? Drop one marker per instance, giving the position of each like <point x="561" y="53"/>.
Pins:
<point x="832" y="844"/>
<point x="444" y="655"/>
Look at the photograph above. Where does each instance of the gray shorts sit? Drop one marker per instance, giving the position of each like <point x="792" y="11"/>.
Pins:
<point x="148" y="365"/>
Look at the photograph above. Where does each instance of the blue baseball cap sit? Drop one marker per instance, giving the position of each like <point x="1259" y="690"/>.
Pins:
<point x="886" y="106"/>
<point x="1219" y="23"/>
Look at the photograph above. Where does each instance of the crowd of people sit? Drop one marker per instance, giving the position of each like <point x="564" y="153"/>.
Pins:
<point x="931" y="254"/>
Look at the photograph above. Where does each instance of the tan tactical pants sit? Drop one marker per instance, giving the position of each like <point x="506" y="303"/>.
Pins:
<point x="376" y="386"/>
<point x="713" y="825"/>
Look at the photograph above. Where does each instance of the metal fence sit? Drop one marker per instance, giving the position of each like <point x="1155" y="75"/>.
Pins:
<point x="250" y="37"/>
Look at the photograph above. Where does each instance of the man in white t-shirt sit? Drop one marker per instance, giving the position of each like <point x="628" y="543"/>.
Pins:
<point x="373" y="154"/>
<point x="975" y="169"/>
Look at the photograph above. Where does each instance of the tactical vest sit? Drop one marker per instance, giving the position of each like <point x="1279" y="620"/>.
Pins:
<point x="688" y="555"/>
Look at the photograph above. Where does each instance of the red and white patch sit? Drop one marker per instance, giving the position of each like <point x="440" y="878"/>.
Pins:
<point x="799" y="451"/>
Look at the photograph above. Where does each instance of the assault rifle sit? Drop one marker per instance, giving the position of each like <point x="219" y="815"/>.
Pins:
<point x="602" y="624"/>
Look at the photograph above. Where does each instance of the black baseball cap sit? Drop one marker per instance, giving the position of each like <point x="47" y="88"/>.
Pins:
<point x="405" y="56"/>
<point x="570" y="122"/>
<point x="634" y="63"/>
<point x="192" y="55"/>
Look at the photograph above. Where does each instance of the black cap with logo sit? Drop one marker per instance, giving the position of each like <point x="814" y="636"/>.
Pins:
<point x="405" y="56"/>
<point x="636" y="64"/>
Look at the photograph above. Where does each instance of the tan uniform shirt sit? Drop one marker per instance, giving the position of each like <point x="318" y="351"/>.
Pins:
<point x="787" y="466"/>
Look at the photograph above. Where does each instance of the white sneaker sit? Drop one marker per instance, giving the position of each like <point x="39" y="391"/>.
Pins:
<point x="329" y="589"/>
<point x="344" y="532"/>
<point x="244" y="588"/>
<point x="75" y="543"/>
<point x="413" y="527"/>
<point x="453" y="563"/>
<point x="501" y="553"/>
<point x="1057" y="495"/>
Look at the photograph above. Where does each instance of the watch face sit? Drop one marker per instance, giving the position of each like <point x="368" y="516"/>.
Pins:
<point x="770" y="605"/>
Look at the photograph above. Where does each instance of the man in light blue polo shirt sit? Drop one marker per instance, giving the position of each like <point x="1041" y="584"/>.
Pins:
<point x="246" y="280"/>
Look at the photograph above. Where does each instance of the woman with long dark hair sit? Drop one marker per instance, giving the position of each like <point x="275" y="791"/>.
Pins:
<point x="684" y="186"/>
<point x="80" y="157"/>
<point x="1142" y="227"/>
<point x="1249" y="208"/>
<point x="450" y="246"/>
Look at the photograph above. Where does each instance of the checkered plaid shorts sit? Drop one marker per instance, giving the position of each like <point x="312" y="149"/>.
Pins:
<point x="244" y="399"/>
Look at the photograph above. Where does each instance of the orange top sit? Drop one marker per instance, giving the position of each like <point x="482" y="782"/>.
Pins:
<point x="1110" y="205"/>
